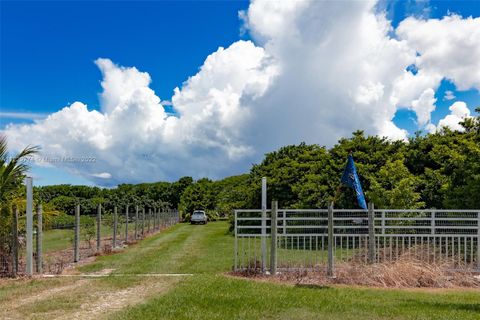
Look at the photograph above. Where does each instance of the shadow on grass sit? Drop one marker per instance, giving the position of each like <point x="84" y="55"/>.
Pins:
<point x="471" y="307"/>
<point x="313" y="286"/>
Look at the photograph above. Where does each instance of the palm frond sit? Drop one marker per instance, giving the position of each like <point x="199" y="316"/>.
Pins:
<point x="12" y="172"/>
<point x="3" y="149"/>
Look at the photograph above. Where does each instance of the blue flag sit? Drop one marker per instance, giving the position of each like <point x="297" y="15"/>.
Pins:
<point x="350" y="178"/>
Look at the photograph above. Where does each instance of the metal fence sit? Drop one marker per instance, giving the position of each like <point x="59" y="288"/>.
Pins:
<point x="300" y="239"/>
<point x="55" y="249"/>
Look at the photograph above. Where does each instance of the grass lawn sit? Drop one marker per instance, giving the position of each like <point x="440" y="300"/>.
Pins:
<point x="207" y="252"/>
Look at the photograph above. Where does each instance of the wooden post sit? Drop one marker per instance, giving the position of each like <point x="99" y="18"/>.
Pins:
<point x="39" y="239"/>
<point x="371" y="233"/>
<point x="331" y="263"/>
<point x="99" y="227"/>
<point x="115" y="221"/>
<point x="126" y="223"/>
<point x="263" y="240"/>
<point x="136" y="222"/>
<point x="29" y="226"/>
<point x="76" y="246"/>
<point x="15" y="241"/>
<point x="273" y="247"/>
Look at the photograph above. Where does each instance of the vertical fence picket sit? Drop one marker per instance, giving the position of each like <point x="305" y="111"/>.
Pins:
<point x="371" y="233"/>
<point x="273" y="235"/>
<point x="264" y="223"/>
<point x="330" y="270"/>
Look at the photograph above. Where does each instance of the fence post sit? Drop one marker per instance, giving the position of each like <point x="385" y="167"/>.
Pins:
<point x="330" y="270"/>
<point x="39" y="239"/>
<point x="99" y="226"/>
<point x="432" y="232"/>
<point x="114" y="239"/>
<point x="76" y="245"/>
<point x="235" y="246"/>
<point x="478" y="242"/>
<point x="371" y="233"/>
<point x="273" y="247"/>
<point x="143" y="221"/>
<point x="126" y="223"/>
<point x="154" y="219"/>
<point x="29" y="226"/>
<point x="149" y="218"/>
<point x="264" y="224"/>
<point x="15" y="241"/>
<point x="160" y="218"/>
<point x="136" y="222"/>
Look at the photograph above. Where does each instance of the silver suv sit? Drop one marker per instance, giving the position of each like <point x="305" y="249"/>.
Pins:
<point x="198" y="216"/>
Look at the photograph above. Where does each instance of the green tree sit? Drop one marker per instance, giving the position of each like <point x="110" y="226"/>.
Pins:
<point x="395" y="187"/>
<point x="198" y="196"/>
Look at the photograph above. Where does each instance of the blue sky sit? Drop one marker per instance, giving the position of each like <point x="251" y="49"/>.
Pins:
<point x="48" y="48"/>
<point x="48" y="51"/>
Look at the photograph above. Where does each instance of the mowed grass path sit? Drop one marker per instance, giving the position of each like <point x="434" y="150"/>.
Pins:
<point x="206" y="251"/>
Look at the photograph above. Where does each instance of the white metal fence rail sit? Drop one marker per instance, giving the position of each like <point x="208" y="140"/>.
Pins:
<point x="317" y="239"/>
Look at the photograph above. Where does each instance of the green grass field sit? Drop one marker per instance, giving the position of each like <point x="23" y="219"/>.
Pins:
<point x="207" y="253"/>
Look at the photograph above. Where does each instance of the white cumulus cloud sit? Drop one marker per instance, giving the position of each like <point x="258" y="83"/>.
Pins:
<point x="102" y="175"/>
<point x="424" y="106"/>
<point x="458" y="112"/>
<point x="449" y="46"/>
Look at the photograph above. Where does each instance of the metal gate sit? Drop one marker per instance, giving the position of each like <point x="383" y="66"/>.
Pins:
<point x="316" y="239"/>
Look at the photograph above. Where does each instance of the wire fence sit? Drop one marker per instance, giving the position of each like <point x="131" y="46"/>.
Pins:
<point x="318" y="239"/>
<point x="55" y="249"/>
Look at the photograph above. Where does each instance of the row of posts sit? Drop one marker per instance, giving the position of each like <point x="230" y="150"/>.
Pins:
<point x="39" y="234"/>
<point x="138" y="229"/>
<point x="157" y="214"/>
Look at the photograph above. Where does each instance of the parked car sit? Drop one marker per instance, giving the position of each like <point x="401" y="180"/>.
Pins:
<point x="198" y="216"/>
